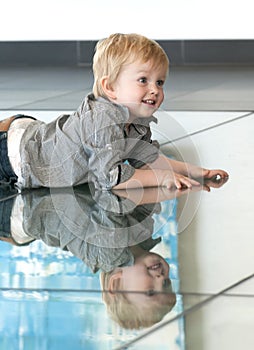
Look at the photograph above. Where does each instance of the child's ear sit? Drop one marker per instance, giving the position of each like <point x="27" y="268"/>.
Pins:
<point x="108" y="88"/>
<point x="115" y="282"/>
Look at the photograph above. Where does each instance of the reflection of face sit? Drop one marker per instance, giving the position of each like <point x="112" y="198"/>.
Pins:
<point x="139" y="87"/>
<point x="149" y="273"/>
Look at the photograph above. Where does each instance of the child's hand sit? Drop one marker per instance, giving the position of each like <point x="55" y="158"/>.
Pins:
<point x="215" y="175"/>
<point x="216" y="181"/>
<point x="201" y="174"/>
<point x="211" y="178"/>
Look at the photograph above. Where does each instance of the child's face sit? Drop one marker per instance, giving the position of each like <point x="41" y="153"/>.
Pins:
<point x="139" y="87"/>
<point x="149" y="273"/>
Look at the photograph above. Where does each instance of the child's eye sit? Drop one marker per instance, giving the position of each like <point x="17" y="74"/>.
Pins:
<point x="143" y="80"/>
<point x="160" y="82"/>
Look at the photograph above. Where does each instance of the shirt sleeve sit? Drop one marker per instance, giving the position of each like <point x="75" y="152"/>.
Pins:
<point x="105" y="148"/>
<point x="106" y="167"/>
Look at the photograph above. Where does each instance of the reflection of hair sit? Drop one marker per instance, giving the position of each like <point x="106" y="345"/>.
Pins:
<point x="126" y="314"/>
<point x="119" y="49"/>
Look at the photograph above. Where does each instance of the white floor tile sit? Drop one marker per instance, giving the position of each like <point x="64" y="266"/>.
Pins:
<point x="225" y="323"/>
<point x="216" y="241"/>
<point x="246" y="288"/>
<point x="174" y="124"/>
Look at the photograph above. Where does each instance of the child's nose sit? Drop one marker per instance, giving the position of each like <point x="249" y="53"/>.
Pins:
<point x="160" y="274"/>
<point x="153" y="88"/>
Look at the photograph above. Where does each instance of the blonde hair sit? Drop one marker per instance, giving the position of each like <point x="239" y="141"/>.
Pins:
<point x="126" y="314"/>
<point x="119" y="49"/>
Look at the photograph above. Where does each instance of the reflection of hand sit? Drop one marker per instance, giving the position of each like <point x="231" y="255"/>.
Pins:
<point x="156" y="194"/>
<point x="148" y="195"/>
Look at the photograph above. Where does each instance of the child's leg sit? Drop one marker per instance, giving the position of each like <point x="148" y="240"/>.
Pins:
<point x="15" y="133"/>
<point x="7" y="174"/>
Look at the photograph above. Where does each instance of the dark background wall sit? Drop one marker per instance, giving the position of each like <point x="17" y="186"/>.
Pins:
<point x="78" y="53"/>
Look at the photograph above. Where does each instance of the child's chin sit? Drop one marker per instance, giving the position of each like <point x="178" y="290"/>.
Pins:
<point x="147" y="115"/>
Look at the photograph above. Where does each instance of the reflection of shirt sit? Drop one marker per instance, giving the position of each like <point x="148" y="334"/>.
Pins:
<point x="74" y="221"/>
<point x="90" y="145"/>
<point x="16" y="221"/>
<point x="11" y="216"/>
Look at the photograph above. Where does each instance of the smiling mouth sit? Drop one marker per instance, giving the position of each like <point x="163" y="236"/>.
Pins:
<point x="155" y="267"/>
<point x="149" y="102"/>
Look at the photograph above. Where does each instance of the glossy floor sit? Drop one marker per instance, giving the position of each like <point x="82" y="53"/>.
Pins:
<point x="51" y="298"/>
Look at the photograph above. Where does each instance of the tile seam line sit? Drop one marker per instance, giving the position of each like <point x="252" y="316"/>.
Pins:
<point x="217" y="110"/>
<point x="185" y="313"/>
<point x="207" y="129"/>
<point x="164" y="110"/>
<point x="49" y="290"/>
<point x="234" y="295"/>
<point x="46" y="99"/>
<point x="65" y="290"/>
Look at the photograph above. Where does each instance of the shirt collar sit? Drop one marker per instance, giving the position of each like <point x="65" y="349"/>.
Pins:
<point x="125" y="112"/>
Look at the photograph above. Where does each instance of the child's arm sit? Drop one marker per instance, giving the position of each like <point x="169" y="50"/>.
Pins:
<point x="186" y="169"/>
<point x="156" y="177"/>
<point x="169" y="173"/>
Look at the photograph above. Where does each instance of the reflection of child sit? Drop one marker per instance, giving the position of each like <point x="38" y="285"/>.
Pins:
<point x="112" y="125"/>
<point x="147" y="295"/>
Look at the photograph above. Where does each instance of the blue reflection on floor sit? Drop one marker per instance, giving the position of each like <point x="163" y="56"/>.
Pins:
<point x="50" y="317"/>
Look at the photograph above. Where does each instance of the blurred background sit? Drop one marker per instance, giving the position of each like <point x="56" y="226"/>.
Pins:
<point x="64" y="32"/>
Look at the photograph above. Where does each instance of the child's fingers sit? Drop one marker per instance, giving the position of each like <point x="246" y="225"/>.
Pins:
<point x="223" y="174"/>
<point x="206" y="188"/>
<point x="183" y="181"/>
<point x="216" y="182"/>
<point x="171" y="184"/>
<point x="194" y="182"/>
<point x="217" y="174"/>
<point x="178" y="184"/>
